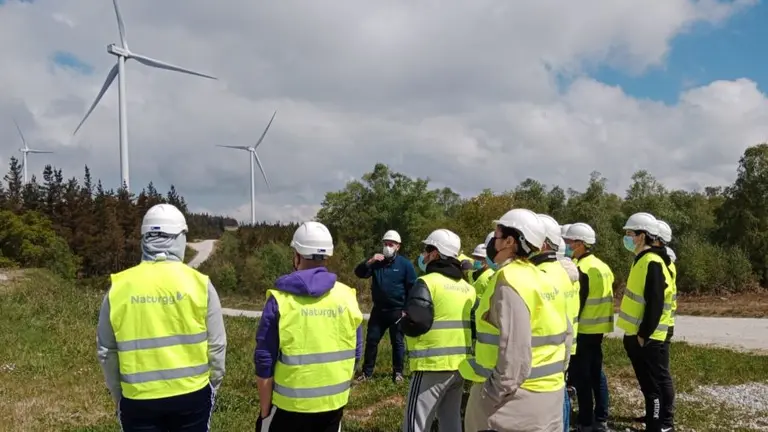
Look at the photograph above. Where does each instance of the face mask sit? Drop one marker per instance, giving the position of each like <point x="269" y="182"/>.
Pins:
<point x="568" y="251"/>
<point x="491" y="264"/>
<point x="629" y="243"/>
<point x="490" y="249"/>
<point x="477" y="265"/>
<point x="388" y="251"/>
<point x="422" y="265"/>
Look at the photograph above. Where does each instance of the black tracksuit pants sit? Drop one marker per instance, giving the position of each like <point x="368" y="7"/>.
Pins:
<point x="190" y="412"/>
<point x="329" y="421"/>
<point x="667" y="389"/>
<point x="651" y="369"/>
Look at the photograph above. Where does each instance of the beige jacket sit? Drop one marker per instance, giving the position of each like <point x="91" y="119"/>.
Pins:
<point x="499" y="403"/>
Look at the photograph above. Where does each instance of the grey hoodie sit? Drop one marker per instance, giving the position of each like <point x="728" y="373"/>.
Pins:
<point x="161" y="248"/>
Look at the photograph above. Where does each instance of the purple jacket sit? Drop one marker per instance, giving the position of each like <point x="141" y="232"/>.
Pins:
<point x="314" y="283"/>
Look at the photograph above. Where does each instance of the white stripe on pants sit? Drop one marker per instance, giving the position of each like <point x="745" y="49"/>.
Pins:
<point x="434" y="394"/>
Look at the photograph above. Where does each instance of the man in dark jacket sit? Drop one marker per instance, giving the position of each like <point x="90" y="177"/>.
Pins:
<point x="392" y="277"/>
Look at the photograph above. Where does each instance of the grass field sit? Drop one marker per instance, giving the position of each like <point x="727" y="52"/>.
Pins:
<point x="50" y="379"/>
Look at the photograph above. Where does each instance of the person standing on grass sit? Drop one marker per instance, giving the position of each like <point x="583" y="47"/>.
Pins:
<point x="308" y="341"/>
<point x="392" y="276"/>
<point x="437" y="325"/>
<point x="646" y="313"/>
<point x="480" y="276"/>
<point x="160" y="338"/>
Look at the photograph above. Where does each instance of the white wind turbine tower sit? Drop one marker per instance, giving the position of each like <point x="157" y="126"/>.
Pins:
<point x="255" y="157"/>
<point x="123" y="54"/>
<point x="26" y="150"/>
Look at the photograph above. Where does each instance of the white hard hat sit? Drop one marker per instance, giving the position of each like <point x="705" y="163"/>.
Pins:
<point x="552" y="228"/>
<point x="665" y="231"/>
<point x="446" y="242"/>
<point x="528" y="223"/>
<point x="581" y="231"/>
<point x="671" y="254"/>
<point x="564" y="229"/>
<point x="391" y="235"/>
<point x="312" y="238"/>
<point x="642" y="222"/>
<point x="164" y="218"/>
<point x="488" y="238"/>
<point x="479" y="250"/>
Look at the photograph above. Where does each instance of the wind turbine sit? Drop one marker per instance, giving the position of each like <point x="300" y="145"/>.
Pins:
<point x="118" y="70"/>
<point x="255" y="157"/>
<point x="26" y="150"/>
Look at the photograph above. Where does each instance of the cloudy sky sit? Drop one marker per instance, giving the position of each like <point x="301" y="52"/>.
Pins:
<point x="473" y="94"/>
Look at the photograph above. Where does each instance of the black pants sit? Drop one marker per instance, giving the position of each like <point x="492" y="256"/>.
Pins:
<point x="667" y="390"/>
<point x="650" y="369"/>
<point x="284" y="421"/>
<point x="190" y="412"/>
<point x="586" y="373"/>
<point x="379" y="322"/>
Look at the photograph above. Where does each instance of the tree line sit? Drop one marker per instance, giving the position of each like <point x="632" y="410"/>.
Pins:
<point x="720" y="234"/>
<point x="78" y="228"/>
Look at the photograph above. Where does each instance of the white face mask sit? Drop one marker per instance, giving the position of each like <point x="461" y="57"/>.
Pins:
<point x="388" y="251"/>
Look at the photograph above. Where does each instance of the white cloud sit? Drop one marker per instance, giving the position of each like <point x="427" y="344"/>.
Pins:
<point x="465" y="93"/>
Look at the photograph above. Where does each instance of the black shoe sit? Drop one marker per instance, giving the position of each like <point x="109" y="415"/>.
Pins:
<point x="398" y="377"/>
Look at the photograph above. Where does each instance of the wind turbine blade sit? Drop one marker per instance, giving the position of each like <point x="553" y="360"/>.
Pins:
<point x="110" y="77"/>
<point x="120" y="25"/>
<point x="265" y="131"/>
<point x="20" y="134"/>
<point x="258" y="162"/>
<point x="163" y="65"/>
<point x="233" y="147"/>
<point x="38" y="151"/>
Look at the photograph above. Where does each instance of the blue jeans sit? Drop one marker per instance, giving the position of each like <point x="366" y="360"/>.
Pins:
<point x="566" y="412"/>
<point x="589" y="380"/>
<point x="378" y="324"/>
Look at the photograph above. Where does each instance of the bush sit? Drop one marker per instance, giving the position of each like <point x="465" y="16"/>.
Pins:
<point x="707" y="268"/>
<point x="224" y="277"/>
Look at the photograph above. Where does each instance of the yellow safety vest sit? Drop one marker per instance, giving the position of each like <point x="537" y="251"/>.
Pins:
<point x="482" y="283"/>
<point x="548" y="327"/>
<point x="597" y="315"/>
<point x="318" y="336"/>
<point x="449" y="341"/>
<point x="633" y="303"/>
<point x="570" y="290"/>
<point x="158" y="313"/>
<point x="673" y="273"/>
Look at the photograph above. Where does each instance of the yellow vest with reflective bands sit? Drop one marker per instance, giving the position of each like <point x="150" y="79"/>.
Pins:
<point x="673" y="273"/>
<point x="633" y="303"/>
<point x="570" y="291"/>
<point x="318" y="336"/>
<point x="158" y="313"/>
<point x="597" y="315"/>
<point x="449" y="341"/>
<point x="482" y="283"/>
<point x="548" y="328"/>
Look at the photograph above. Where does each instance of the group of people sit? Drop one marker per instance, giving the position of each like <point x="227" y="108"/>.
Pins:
<point x="522" y="320"/>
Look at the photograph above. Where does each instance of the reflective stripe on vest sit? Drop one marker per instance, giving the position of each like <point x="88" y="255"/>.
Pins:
<point x="316" y="362"/>
<point x="597" y="315"/>
<point x="449" y="341"/>
<point x="158" y="313"/>
<point x="673" y="274"/>
<point x="633" y="303"/>
<point x="482" y="282"/>
<point x="569" y="290"/>
<point x="549" y="327"/>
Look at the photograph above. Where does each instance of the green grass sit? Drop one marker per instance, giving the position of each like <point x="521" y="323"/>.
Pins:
<point x="50" y="378"/>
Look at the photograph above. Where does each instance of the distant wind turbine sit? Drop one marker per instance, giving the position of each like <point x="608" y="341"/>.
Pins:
<point x="255" y="157"/>
<point x="123" y="54"/>
<point x="26" y="150"/>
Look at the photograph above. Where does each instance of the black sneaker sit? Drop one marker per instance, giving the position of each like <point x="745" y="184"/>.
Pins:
<point x="398" y="377"/>
<point x="361" y="379"/>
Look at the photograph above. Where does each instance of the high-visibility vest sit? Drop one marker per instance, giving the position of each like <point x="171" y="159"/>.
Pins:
<point x="673" y="273"/>
<point x="449" y="341"/>
<point x="481" y="284"/>
<point x="318" y="336"/>
<point x="633" y="303"/>
<point x="158" y="313"/>
<point x="548" y="327"/>
<point x="569" y="290"/>
<point x="597" y="315"/>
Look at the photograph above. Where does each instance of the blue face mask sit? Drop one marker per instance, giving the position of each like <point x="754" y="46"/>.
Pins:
<point x="477" y="265"/>
<point x="568" y="251"/>
<point x="491" y="264"/>
<point x="422" y="266"/>
<point x="629" y="243"/>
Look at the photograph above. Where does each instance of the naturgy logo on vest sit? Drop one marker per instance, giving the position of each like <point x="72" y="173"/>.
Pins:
<point x="163" y="300"/>
<point x="327" y="312"/>
<point x="550" y="295"/>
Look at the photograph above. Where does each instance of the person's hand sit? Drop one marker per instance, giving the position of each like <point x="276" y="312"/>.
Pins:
<point x="641" y="341"/>
<point x="377" y="257"/>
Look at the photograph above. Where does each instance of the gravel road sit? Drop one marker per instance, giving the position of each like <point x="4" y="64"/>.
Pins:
<point x="204" y="249"/>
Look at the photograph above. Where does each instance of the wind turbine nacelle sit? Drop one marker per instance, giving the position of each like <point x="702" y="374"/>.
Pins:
<point x="117" y="50"/>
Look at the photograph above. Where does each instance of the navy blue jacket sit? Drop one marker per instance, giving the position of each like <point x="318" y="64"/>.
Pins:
<point x="391" y="280"/>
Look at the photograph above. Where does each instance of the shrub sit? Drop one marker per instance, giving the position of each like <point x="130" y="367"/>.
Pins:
<point x="707" y="268"/>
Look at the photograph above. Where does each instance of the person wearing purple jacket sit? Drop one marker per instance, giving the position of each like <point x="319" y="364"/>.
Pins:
<point x="308" y="342"/>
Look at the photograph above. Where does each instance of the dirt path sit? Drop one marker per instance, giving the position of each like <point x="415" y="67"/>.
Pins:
<point x="204" y="249"/>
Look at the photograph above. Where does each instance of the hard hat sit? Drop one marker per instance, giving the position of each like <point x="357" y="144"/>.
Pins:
<point x="488" y="238"/>
<point x="312" y="238"/>
<point x="479" y="251"/>
<point x="527" y="222"/>
<point x="642" y="222"/>
<point x="671" y="254"/>
<point x="391" y="235"/>
<point x="581" y="231"/>
<point x="665" y="231"/>
<point x="552" y="228"/>
<point x="446" y="242"/>
<point x="164" y="218"/>
<point x="564" y="229"/>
